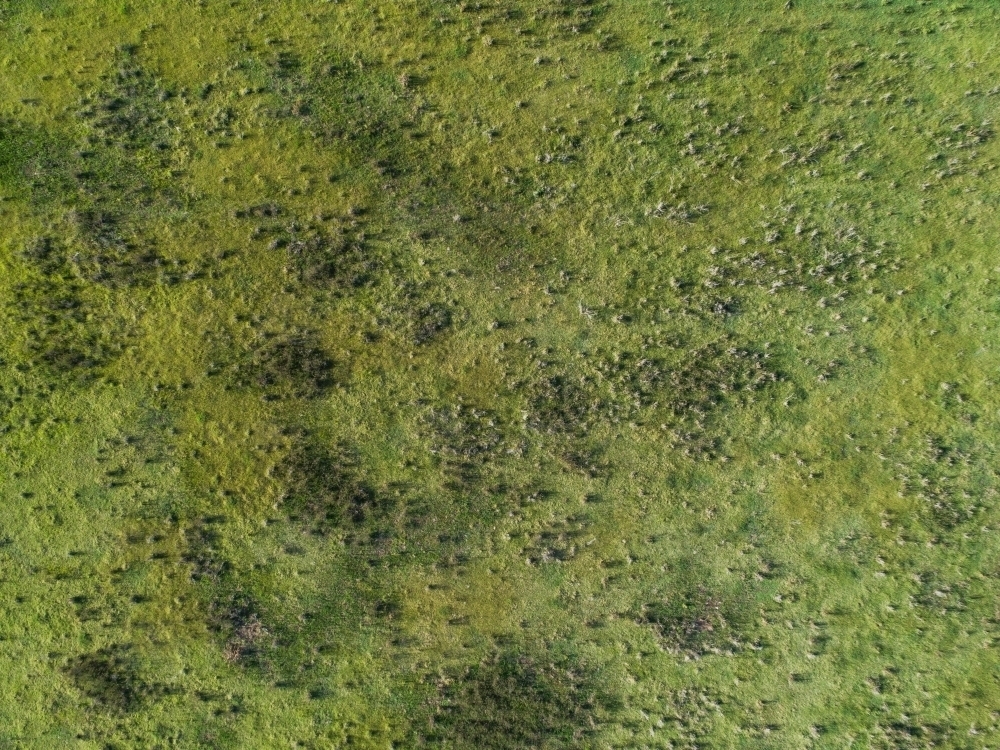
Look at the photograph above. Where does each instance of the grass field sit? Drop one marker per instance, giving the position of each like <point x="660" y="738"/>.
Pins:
<point x="499" y="374"/>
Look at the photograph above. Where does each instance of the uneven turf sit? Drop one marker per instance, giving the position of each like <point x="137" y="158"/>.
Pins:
<point x="499" y="374"/>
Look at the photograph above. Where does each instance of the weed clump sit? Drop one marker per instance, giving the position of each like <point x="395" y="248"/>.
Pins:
<point x="332" y="261"/>
<point x="102" y="192"/>
<point x="128" y="110"/>
<point x="336" y="259"/>
<point x="104" y="256"/>
<point x="286" y="365"/>
<point x="322" y="486"/>
<point x="714" y="374"/>
<point x="59" y="327"/>
<point x="335" y="97"/>
<point x="559" y="541"/>
<point x="691" y="623"/>
<point x="203" y="557"/>
<point x="695" y="619"/>
<point x="99" y="194"/>
<point x="114" y="679"/>
<point x="261" y="210"/>
<point x="467" y="439"/>
<point x="609" y="387"/>
<point x="563" y="406"/>
<point x="32" y="161"/>
<point x="248" y="640"/>
<point x="949" y="479"/>
<point x="511" y="700"/>
<point x="429" y="321"/>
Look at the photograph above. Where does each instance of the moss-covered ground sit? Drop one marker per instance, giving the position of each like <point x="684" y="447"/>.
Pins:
<point x="499" y="374"/>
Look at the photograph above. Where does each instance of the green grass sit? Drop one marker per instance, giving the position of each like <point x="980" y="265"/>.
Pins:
<point x="498" y="374"/>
